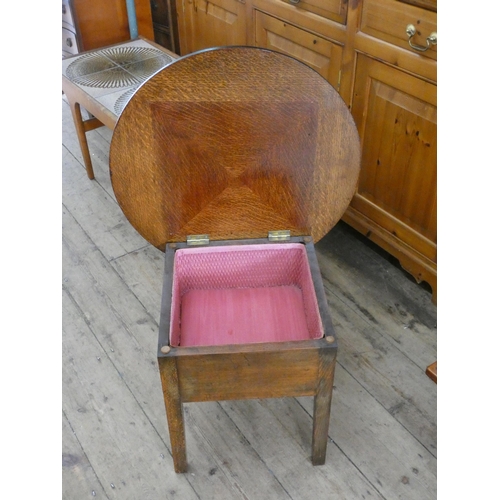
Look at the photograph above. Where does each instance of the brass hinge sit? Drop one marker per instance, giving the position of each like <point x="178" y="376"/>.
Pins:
<point x="338" y="82"/>
<point x="282" y="235"/>
<point x="194" y="240"/>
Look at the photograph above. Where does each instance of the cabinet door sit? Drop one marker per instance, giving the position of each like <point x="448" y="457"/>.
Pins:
<point x="322" y="55"/>
<point x="214" y="23"/>
<point x="387" y="20"/>
<point x="396" y="116"/>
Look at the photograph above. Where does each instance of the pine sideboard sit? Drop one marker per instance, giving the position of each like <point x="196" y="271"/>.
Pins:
<point x="381" y="55"/>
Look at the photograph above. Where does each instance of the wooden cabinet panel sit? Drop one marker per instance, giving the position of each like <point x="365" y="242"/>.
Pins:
<point x="165" y="24"/>
<point x="160" y="11"/>
<point x="388" y="19"/>
<point x="101" y="23"/>
<point x="301" y="18"/>
<point x="93" y="23"/>
<point x="335" y="10"/>
<point x="396" y="116"/>
<point x="320" y="54"/>
<point x="214" y="23"/>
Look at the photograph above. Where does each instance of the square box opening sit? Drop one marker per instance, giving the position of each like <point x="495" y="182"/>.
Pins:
<point x="243" y="294"/>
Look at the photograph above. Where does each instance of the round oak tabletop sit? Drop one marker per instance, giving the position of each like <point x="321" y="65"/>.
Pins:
<point x="234" y="142"/>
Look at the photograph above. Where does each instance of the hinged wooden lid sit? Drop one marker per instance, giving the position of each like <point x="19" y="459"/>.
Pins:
<point x="234" y="142"/>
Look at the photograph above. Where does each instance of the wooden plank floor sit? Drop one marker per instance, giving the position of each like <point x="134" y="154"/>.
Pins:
<point x="115" y="438"/>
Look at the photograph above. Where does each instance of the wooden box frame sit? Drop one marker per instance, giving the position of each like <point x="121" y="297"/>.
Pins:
<point x="247" y="371"/>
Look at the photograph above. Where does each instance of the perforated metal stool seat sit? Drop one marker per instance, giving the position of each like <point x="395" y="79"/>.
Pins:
<point x="104" y="80"/>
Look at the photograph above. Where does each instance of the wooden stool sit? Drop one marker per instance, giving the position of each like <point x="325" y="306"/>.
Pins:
<point x="104" y="80"/>
<point x="234" y="161"/>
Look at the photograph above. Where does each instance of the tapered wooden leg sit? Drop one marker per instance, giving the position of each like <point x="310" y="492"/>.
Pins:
<point x="82" y="138"/>
<point x="322" y="404"/>
<point x="175" y="415"/>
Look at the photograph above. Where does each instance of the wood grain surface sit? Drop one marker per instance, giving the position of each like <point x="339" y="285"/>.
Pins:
<point x="234" y="142"/>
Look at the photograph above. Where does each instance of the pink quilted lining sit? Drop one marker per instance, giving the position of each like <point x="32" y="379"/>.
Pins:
<point x="243" y="294"/>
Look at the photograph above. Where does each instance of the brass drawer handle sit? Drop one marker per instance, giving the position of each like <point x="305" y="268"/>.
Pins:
<point x="432" y="39"/>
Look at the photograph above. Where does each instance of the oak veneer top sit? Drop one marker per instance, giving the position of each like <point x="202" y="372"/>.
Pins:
<point x="234" y="142"/>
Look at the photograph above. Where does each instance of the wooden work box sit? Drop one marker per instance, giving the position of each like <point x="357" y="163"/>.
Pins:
<point x="234" y="161"/>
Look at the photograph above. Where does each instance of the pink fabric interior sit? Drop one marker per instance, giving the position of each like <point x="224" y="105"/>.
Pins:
<point x="243" y="294"/>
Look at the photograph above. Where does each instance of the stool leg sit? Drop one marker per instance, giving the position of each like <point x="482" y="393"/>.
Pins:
<point x="82" y="138"/>
<point x="322" y="404"/>
<point x="175" y="415"/>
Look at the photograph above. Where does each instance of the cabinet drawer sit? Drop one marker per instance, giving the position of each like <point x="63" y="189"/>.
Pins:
<point x="67" y="16"/>
<point x="322" y="55"/>
<point x="388" y="21"/>
<point x="330" y="9"/>
<point x="425" y="4"/>
<point x="69" y="43"/>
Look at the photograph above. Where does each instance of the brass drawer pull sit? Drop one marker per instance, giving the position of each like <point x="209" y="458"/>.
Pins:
<point x="432" y="39"/>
